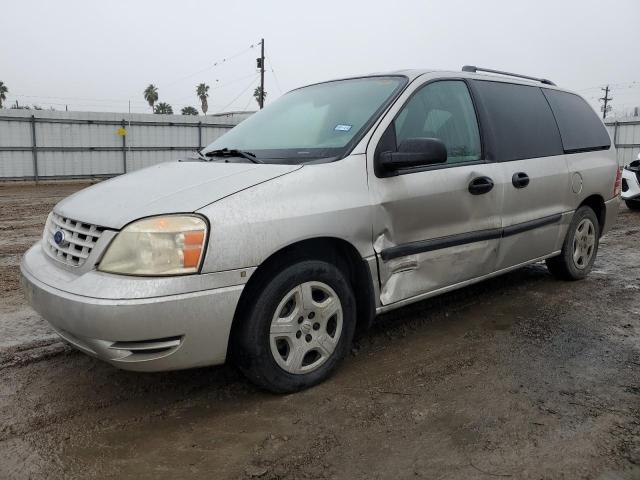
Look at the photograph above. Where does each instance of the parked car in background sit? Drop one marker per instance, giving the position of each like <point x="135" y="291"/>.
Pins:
<point x="631" y="184"/>
<point x="339" y="201"/>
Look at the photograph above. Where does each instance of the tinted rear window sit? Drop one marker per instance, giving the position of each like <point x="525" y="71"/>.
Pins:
<point x="519" y="120"/>
<point x="580" y="127"/>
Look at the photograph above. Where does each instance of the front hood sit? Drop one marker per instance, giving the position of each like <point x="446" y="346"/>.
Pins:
<point x="174" y="187"/>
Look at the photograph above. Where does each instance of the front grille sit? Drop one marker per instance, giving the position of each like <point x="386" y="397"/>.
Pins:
<point x="78" y="239"/>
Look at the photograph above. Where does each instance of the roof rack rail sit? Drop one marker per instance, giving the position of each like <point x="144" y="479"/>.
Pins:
<point x="474" y="69"/>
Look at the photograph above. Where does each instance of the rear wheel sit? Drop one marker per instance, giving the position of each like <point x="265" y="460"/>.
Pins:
<point x="299" y="327"/>
<point x="633" y="204"/>
<point x="580" y="247"/>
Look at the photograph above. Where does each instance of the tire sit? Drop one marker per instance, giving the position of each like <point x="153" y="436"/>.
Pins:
<point x="277" y="352"/>
<point x="580" y="247"/>
<point x="633" y="204"/>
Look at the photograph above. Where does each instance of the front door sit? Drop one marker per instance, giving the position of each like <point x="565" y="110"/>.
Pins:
<point x="439" y="225"/>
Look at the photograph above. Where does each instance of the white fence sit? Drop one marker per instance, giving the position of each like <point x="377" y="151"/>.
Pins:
<point x="626" y="136"/>
<point x="43" y="144"/>
<point x="38" y="144"/>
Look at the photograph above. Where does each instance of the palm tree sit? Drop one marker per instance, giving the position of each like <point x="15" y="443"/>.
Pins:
<point x="202" y="91"/>
<point x="3" y="93"/>
<point x="163" y="108"/>
<point x="189" y="111"/>
<point x="151" y="95"/>
<point x="257" y="92"/>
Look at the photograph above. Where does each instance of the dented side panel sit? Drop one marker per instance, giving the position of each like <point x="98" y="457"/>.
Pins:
<point x="434" y="205"/>
<point x="416" y="274"/>
<point x="427" y="205"/>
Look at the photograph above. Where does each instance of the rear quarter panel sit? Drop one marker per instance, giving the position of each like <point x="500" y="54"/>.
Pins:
<point x="596" y="171"/>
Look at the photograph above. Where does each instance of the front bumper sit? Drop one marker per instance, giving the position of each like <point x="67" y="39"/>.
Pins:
<point x="175" y="330"/>
<point x="630" y="184"/>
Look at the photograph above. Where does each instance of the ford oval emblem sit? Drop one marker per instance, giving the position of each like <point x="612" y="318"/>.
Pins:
<point x="58" y="237"/>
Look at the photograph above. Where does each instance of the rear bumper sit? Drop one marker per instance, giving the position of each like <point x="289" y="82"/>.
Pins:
<point x="611" y="214"/>
<point x="153" y="333"/>
<point x="630" y="185"/>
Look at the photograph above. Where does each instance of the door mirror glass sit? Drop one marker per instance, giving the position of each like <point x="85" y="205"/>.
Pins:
<point x="414" y="152"/>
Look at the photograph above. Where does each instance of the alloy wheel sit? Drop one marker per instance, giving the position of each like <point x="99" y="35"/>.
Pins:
<point x="584" y="242"/>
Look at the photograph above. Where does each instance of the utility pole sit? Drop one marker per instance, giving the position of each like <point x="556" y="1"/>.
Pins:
<point x="606" y="99"/>
<point x="261" y="67"/>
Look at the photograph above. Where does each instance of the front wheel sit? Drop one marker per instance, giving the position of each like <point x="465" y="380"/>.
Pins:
<point x="579" y="248"/>
<point x="633" y="204"/>
<point x="299" y="327"/>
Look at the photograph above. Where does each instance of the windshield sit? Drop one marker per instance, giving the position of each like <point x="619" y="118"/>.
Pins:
<point x="318" y="121"/>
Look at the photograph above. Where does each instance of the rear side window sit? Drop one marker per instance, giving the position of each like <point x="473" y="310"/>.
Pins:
<point x="520" y="121"/>
<point x="580" y="127"/>
<point x="442" y="110"/>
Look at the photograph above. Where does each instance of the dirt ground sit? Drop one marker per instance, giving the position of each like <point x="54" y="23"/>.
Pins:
<point x="522" y="376"/>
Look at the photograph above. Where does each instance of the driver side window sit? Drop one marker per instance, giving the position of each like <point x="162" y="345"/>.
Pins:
<point x="442" y="110"/>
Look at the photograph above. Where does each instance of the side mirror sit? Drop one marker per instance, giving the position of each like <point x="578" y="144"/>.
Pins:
<point x="414" y="152"/>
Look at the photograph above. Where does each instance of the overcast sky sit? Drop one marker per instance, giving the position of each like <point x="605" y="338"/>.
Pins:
<point x="96" y="55"/>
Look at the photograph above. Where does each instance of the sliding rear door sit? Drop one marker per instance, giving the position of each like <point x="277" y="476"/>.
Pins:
<point x="523" y="138"/>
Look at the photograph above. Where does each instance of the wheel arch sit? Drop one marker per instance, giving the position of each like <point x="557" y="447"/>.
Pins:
<point x="330" y="249"/>
<point x="596" y="203"/>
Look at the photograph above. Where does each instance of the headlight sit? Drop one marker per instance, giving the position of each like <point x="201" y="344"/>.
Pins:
<point x="169" y="245"/>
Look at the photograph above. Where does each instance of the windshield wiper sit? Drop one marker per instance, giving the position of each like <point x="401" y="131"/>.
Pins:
<point x="201" y="155"/>
<point x="225" y="152"/>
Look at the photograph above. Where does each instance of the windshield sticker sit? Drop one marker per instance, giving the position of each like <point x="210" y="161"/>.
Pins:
<point x="343" y="128"/>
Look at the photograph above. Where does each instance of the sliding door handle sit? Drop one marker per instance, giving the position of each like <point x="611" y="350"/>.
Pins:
<point x="520" y="180"/>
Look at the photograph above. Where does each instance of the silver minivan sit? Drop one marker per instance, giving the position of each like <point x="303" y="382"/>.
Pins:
<point x="339" y="201"/>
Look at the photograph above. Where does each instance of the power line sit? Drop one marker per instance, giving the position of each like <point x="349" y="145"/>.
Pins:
<point x="212" y="65"/>
<point x="215" y="87"/>
<point x="241" y="93"/>
<point x="117" y="103"/>
<point x="248" y="102"/>
<point x="632" y="84"/>
<point x="277" y="82"/>
<point x="81" y="101"/>
<point x="275" y="77"/>
<point x="114" y="101"/>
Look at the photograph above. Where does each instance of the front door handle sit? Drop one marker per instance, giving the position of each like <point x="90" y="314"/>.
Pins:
<point x="480" y="185"/>
<point x="520" y="179"/>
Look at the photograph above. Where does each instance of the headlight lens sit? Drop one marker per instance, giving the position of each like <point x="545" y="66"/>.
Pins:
<point x="169" y="245"/>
